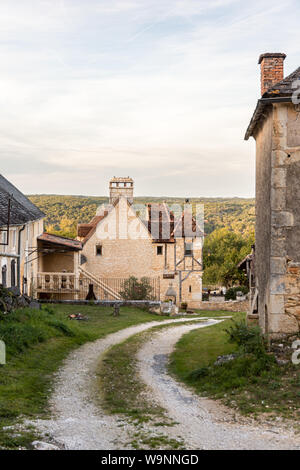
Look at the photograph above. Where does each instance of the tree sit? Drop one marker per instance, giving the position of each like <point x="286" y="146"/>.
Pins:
<point x="222" y="251"/>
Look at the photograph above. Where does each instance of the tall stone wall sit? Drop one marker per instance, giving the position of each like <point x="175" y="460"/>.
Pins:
<point x="283" y="305"/>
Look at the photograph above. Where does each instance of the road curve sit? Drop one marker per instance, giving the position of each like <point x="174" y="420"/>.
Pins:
<point x="77" y="422"/>
<point x="201" y="422"/>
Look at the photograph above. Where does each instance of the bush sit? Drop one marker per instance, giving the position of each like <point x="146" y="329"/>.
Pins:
<point x="205" y="296"/>
<point x="137" y="290"/>
<point x="248" y="338"/>
<point x="231" y="293"/>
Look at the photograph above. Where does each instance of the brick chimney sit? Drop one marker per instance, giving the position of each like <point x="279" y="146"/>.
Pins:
<point x="271" y="69"/>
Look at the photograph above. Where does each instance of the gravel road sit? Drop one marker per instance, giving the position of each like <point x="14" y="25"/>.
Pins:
<point x="202" y="423"/>
<point x="77" y="422"/>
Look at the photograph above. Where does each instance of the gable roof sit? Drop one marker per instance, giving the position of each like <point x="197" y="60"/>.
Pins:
<point x="22" y="210"/>
<point x="280" y="92"/>
<point x="161" y="224"/>
<point x="85" y="231"/>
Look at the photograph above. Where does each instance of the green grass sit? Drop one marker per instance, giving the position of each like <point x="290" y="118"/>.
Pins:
<point x="121" y="391"/>
<point x="37" y="342"/>
<point x="252" y="385"/>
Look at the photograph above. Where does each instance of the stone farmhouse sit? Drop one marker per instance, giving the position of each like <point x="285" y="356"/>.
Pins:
<point x="21" y="222"/>
<point x="275" y="126"/>
<point x="123" y="241"/>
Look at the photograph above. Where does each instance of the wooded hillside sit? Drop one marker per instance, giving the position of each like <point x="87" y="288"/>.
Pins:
<point x="229" y="227"/>
<point x="64" y="212"/>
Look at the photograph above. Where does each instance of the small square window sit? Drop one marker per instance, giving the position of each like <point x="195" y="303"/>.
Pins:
<point x="159" y="250"/>
<point x="98" y="250"/>
<point x="188" y="249"/>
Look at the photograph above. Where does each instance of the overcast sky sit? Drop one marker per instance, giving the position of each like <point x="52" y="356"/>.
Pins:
<point x="160" y="90"/>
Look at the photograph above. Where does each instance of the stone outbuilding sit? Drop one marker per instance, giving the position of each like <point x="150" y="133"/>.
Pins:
<point x="275" y="126"/>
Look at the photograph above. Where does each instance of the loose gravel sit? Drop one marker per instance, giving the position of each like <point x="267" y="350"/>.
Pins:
<point x="78" y="423"/>
<point x="202" y="423"/>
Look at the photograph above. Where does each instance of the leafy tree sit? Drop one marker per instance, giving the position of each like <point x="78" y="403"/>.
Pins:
<point x="222" y="252"/>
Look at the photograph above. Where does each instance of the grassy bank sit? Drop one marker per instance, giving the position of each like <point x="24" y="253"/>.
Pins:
<point x="253" y="385"/>
<point x="37" y="342"/>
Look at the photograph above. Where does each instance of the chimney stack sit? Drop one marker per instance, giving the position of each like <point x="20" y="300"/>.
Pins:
<point x="271" y="69"/>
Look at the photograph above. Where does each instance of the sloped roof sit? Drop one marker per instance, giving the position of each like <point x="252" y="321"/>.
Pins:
<point x="280" y="92"/>
<point x="160" y="223"/>
<point x="22" y="209"/>
<point x="285" y="87"/>
<point x="58" y="240"/>
<point x="86" y="230"/>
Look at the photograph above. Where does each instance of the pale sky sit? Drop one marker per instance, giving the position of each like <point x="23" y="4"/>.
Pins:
<point x="159" y="90"/>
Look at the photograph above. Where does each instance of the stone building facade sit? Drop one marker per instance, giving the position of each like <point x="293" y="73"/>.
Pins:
<point x="275" y="126"/>
<point x="121" y="241"/>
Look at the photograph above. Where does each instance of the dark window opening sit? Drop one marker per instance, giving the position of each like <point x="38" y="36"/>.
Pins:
<point x="13" y="273"/>
<point x="4" y="270"/>
<point x="99" y="250"/>
<point x="188" y="249"/>
<point x="159" y="250"/>
<point x="190" y="289"/>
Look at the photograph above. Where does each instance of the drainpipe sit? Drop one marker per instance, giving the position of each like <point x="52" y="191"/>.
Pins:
<point x="19" y="257"/>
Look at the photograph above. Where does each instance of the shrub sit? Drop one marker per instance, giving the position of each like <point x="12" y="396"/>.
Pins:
<point x="199" y="373"/>
<point x="231" y="293"/>
<point x="248" y="338"/>
<point x="134" y="289"/>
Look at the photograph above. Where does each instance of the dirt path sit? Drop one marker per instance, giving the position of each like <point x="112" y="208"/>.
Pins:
<point x="201" y="422"/>
<point x="77" y="423"/>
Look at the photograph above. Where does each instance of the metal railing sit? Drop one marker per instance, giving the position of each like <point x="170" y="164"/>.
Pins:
<point x="68" y="286"/>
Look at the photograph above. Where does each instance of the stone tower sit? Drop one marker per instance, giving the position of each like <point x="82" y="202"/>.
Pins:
<point x="120" y="187"/>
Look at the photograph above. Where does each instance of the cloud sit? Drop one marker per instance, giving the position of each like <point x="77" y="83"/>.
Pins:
<point x="162" y="90"/>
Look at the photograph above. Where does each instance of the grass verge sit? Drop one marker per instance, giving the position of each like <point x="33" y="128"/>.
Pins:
<point x="37" y="341"/>
<point x="252" y="385"/>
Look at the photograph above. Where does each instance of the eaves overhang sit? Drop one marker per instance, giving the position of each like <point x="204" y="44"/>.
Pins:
<point x="260" y="110"/>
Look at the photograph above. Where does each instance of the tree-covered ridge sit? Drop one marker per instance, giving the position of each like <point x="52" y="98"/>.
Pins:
<point x="229" y="228"/>
<point x="64" y="212"/>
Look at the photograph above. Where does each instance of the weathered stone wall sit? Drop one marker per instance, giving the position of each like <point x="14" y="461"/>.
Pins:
<point x="263" y="215"/>
<point x="230" y="306"/>
<point x="285" y="221"/>
<point x="278" y="220"/>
